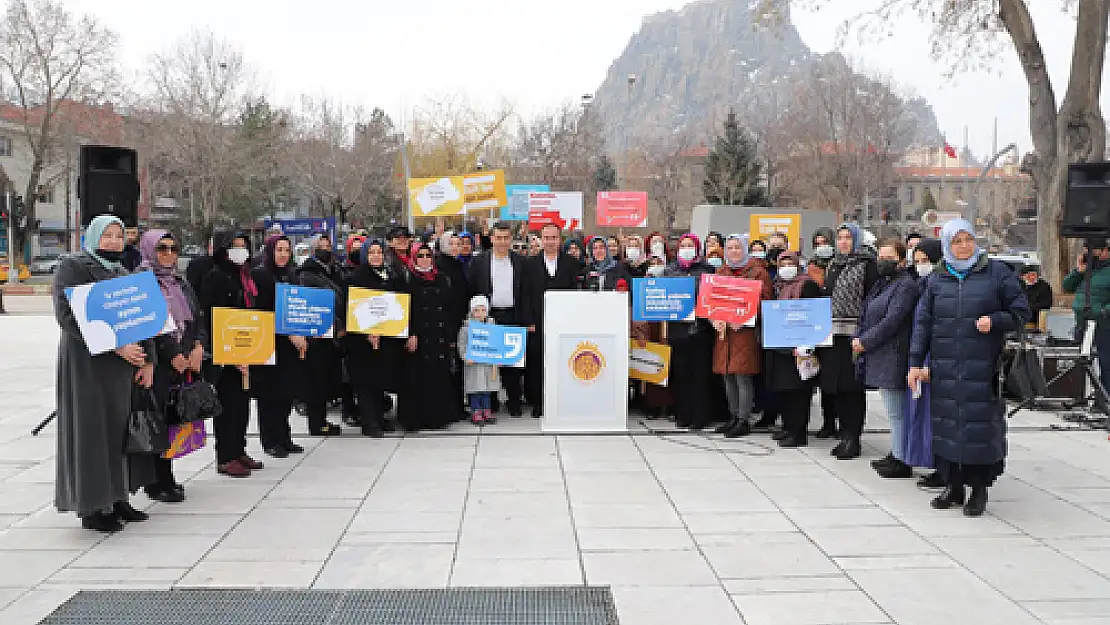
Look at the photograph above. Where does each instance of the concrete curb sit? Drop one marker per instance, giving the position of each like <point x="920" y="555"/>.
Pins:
<point x="25" y="289"/>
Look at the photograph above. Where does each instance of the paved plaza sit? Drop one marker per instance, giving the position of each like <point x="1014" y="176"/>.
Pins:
<point x="686" y="529"/>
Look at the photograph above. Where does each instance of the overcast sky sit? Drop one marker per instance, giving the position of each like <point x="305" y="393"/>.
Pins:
<point x="535" y="54"/>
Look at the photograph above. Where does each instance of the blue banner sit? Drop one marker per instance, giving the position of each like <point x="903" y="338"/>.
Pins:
<point x="304" y="227"/>
<point x="120" y="311"/>
<point x="492" y="344"/>
<point x="663" y="299"/>
<point x="517" y="194"/>
<point x="304" y="311"/>
<point x="797" y="323"/>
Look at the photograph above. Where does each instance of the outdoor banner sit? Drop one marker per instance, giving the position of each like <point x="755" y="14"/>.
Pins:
<point x="304" y="311"/>
<point x="304" y="227"/>
<point x="663" y="299"/>
<point x="516" y="209"/>
<point x="732" y="300"/>
<point x="381" y="313"/>
<point x="484" y="190"/>
<point x="563" y="209"/>
<point x="625" y="209"/>
<point x="117" y="312"/>
<point x="243" y="337"/>
<point x="436" y="197"/>
<point x="763" y="225"/>
<point x="797" y="323"/>
<point x="492" y="344"/>
<point x="185" y="438"/>
<point x="650" y="363"/>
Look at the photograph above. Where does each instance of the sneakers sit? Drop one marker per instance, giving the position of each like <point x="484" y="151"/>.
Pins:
<point x="234" y="468"/>
<point x="478" y="417"/>
<point x="488" y="416"/>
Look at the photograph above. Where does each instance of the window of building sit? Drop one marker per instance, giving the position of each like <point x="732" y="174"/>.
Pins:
<point x="5" y="146"/>
<point x="909" y="195"/>
<point x="958" y="192"/>
<point x="46" y="194"/>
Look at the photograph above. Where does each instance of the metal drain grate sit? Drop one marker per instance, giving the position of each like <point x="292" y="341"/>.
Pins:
<point x="455" y="606"/>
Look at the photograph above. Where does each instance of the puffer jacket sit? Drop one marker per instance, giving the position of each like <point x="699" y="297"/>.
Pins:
<point x="968" y="420"/>
<point x="739" y="353"/>
<point x="884" y="330"/>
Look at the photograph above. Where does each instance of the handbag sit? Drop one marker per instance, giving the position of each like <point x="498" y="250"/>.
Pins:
<point x="193" y="400"/>
<point x="1025" y="375"/>
<point x="146" y="425"/>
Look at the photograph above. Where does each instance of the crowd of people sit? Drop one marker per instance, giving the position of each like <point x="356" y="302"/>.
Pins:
<point x="921" y="320"/>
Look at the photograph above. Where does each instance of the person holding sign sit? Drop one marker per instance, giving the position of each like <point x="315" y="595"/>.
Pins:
<point x="324" y="373"/>
<point x="691" y="347"/>
<point x="603" y="272"/>
<point x="480" y="381"/>
<point x="93" y="395"/>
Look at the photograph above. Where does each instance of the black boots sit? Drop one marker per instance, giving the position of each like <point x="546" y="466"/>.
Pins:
<point x="742" y="428"/>
<point x="933" y="480"/>
<point x="848" y="449"/>
<point x="895" y="469"/>
<point x="102" y="522"/>
<point x="726" y="426"/>
<point x="950" y="496"/>
<point x="977" y="504"/>
<point x="828" y="430"/>
<point x="126" y="512"/>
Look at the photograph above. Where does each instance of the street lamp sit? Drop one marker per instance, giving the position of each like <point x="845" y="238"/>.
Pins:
<point x="628" y="103"/>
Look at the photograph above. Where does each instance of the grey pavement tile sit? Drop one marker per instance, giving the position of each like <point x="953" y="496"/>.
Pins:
<point x="869" y="541"/>
<point x="218" y="498"/>
<point x="430" y="498"/>
<point x="50" y="539"/>
<point x="387" y="566"/>
<point x="291" y="529"/>
<point x="148" y="551"/>
<point x="1006" y="565"/>
<point x="778" y="559"/>
<point x="827" y="492"/>
<point x="32" y="607"/>
<point x="1083" y="495"/>
<point x="670" y="605"/>
<point x="647" y="568"/>
<point x="809" y="608"/>
<point x="8" y="520"/>
<point x="479" y="571"/>
<point x="41" y="473"/>
<point x="629" y="539"/>
<point x="400" y="538"/>
<point x="772" y="585"/>
<point x="941" y="525"/>
<point x="121" y="576"/>
<point x="1062" y="610"/>
<point x="251" y="574"/>
<point x="24" y="498"/>
<point x="818" y="518"/>
<point x="8" y="595"/>
<point x="26" y="569"/>
<point x="683" y="474"/>
<point x="708" y="497"/>
<point x="545" y="504"/>
<point x="542" y="538"/>
<point x="713" y="523"/>
<point x="188" y="524"/>
<point x="624" y="515"/>
<point x="277" y="505"/>
<point x="343" y="453"/>
<point x="371" y="521"/>
<point x="750" y="538"/>
<point x="894" y="563"/>
<point x="326" y="483"/>
<point x="548" y="479"/>
<point x="931" y="596"/>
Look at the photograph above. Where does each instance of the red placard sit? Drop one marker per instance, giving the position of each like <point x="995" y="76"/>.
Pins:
<point x="624" y="209"/>
<point x="728" y="299"/>
<point x="538" y="219"/>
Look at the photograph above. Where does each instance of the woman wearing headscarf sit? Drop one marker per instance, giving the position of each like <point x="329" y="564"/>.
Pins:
<point x="276" y="385"/>
<point x="574" y="248"/>
<point x="737" y="356"/>
<point x="427" y="399"/>
<point x="635" y="258"/>
<point x="374" y="361"/>
<point x="882" y="346"/>
<point x="691" y="347"/>
<point x="967" y="306"/>
<point x="602" y="272"/>
<point x="823" y="252"/>
<point x="447" y="262"/>
<point x="851" y="275"/>
<point x="180" y="353"/>
<point x="714" y="241"/>
<point x="229" y="285"/>
<point x="655" y="245"/>
<point x="93" y="393"/>
<point x="324" y="355"/>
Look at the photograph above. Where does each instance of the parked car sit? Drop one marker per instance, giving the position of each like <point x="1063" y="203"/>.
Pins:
<point x="46" y="264"/>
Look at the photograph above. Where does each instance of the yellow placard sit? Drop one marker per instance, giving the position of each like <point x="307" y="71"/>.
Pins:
<point x="242" y="337"/>
<point x="650" y="363"/>
<point x="437" y="197"/>
<point x="485" y="190"/>
<point x="763" y="225"/>
<point x="382" y="313"/>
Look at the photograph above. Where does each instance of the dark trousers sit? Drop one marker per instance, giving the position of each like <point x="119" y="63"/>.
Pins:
<point x="828" y="409"/>
<point x="511" y="377"/>
<point x="1102" y="348"/>
<point x="163" y="474"/>
<point x="371" y="403"/>
<point x="275" y="387"/>
<point x="850" y="409"/>
<point x="230" y="428"/>
<point x="794" y="406"/>
<point x="324" y="372"/>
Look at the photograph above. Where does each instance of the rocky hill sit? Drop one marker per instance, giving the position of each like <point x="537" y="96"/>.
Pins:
<point x="693" y="64"/>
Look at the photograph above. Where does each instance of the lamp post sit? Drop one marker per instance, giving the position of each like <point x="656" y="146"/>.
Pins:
<point x="624" y="141"/>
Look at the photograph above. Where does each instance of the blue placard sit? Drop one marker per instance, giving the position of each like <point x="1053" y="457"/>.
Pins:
<point x="120" y="311"/>
<point x="797" y="323"/>
<point x="664" y="299"/>
<point x="517" y="194"/>
<point x="492" y="344"/>
<point x="304" y="227"/>
<point x="303" y="311"/>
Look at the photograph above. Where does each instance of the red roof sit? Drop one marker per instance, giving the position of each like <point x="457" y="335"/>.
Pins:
<point x="97" y="123"/>
<point x="700" y="151"/>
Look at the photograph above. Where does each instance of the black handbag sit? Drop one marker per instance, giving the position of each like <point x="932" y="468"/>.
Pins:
<point x="1025" y="376"/>
<point x="193" y="400"/>
<point x="146" y="425"/>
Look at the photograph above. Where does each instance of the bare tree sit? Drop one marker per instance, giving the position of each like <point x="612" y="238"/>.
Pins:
<point x="48" y="58"/>
<point x="449" y="135"/>
<point x="672" y="178"/>
<point x="561" y="147"/>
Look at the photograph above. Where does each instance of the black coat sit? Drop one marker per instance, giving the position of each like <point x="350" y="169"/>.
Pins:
<point x="221" y="287"/>
<point x="169" y="346"/>
<point x="885" y="331"/>
<point x="780" y="371"/>
<point x="967" y="409"/>
<point x="537" y="282"/>
<point x="593" y="280"/>
<point x="428" y="398"/>
<point x="480" y="283"/>
<point x="315" y="274"/>
<point x="458" y="294"/>
<point x="1039" y="295"/>
<point x="384" y="363"/>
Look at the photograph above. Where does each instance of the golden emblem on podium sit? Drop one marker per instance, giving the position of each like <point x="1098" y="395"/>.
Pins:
<point x="586" y="363"/>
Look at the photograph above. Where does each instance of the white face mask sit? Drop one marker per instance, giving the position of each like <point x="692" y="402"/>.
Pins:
<point x="715" y="262"/>
<point x="924" y="269"/>
<point x="909" y="255"/>
<point x="759" y="254"/>
<point x="238" y="255"/>
<point x="824" y="251"/>
<point x="788" y="273"/>
<point x="658" y="249"/>
<point x="655" y="271"/>
<point x="687" y="254"/>
<point x="633" y="253"/>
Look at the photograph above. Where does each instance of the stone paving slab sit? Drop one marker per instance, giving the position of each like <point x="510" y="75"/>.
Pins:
<point x="685" y="528"/>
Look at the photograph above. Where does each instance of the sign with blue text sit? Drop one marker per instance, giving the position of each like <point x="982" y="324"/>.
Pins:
<point x="492" y="344"/>
<point x="664" y="299"/>
<point x="304" y="227"/>
<point x="304" y="311"/>
<point x="797" y="323"/>
<point x="120" y="311"/>
<point x="517" y="207"/>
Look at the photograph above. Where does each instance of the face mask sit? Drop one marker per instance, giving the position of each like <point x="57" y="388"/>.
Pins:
<point x="687" y="254"/>
<point x="909" y="255"/>
<point x="824" y="251"/>
<point x="788" y="273"/>
<point x="924" y="269"/>
<point x="655" y="271"/>
<point x="715" y="262"/>
<point x="323" y="256"/>
<point x="760" y="255"/>
<point x="111" y="256"/>
<point x="633" y="253"/>
<point x="887" y="267"/>
<point x="238" y="255"/>
<point x="658" y="249"/>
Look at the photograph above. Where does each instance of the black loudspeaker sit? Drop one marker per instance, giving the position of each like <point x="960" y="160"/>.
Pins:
<point x="1087" y="205"/>
<point x="109" y="183"/>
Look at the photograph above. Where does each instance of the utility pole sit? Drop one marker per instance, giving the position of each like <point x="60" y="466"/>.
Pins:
<point x="624" y="142"/>
<point x="13" y="267"/>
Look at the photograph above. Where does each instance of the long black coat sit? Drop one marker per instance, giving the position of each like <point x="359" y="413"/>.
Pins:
<point x="427" y="398"/>
<point x="780" y="369"/>
<point x="968" y="420"/>
<point x="385" y="363"/>
<point x="169" y="346"/>
<point x="838" y="367"/>
<point x="885" y="331"/>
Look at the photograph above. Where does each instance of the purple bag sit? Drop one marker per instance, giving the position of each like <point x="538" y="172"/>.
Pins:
<point x="918" y="443"/>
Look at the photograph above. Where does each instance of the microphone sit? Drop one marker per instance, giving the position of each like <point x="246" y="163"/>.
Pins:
<point x="622" y="286"/>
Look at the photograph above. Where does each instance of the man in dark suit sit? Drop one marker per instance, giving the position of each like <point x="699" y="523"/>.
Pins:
<point x="550" y="270"/>
<point x="499" y="275"/>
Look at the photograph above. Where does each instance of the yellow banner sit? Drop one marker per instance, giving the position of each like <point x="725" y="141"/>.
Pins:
<point x="436" y="197"/>
<point x="485" y="190"/>
<point x="650" y="363"/>
<point x="242" y="337"/>
<point x="378" y="312"/>
<point x="763" y="225"/>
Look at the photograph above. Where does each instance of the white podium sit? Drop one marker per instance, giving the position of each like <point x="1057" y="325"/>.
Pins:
<point x="585" y="362"/>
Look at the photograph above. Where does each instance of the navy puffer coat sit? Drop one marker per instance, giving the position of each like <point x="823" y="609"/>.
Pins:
<point x="969" y="426"/>
<point x="884" y="330"/>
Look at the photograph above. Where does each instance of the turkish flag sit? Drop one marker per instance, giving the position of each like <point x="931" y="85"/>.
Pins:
<point x="949" y="150"/>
